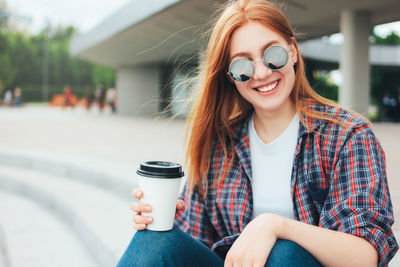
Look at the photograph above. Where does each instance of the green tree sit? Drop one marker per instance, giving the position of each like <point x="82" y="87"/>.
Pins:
<point x="103" y="75"/>
<point x="385" y="79"/>
<point x="23" y="57"/>
<point x="390" y="39"/>
<point x="3" y="15"/>
<point x="7" y="72"/>
<point x="324" y="86"/>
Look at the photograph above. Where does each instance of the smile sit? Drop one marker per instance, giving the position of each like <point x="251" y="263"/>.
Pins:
<point x="268" y="87"/>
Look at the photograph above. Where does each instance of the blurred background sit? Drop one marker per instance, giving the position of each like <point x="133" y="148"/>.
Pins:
<point x="53" y="48"/>
<point x="88" y="89"/>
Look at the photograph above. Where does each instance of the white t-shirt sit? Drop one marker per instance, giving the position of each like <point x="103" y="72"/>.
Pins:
<point x="271" y="166"/>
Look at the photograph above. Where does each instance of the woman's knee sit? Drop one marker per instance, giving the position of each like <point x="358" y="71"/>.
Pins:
<point x="147" y="248"/>
<point x="288" y="253"/>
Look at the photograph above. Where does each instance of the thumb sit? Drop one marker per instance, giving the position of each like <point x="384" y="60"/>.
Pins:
<point x="180" y="204"/>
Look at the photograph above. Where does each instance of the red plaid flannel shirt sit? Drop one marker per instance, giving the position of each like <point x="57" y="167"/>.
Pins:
<point x="338" y="182"/>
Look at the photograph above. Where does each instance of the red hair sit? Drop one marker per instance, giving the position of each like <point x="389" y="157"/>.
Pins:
<point x="219" y="107"/>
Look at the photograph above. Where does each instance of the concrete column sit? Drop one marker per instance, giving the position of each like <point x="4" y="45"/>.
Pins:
<point x="354" y="60"/>
<point x="138" y="90"/>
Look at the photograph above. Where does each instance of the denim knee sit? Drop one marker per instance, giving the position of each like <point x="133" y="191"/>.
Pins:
<point x="171" y="248"/>
<point x="288" y="253"/>
<point x="149" y="248"/>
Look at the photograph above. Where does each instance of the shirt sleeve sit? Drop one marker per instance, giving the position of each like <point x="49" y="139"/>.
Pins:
<point x="358" y="201"/>
<point x="193" y="219"/>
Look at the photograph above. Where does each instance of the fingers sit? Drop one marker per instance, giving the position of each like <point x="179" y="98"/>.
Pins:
<point x="140" y="227"/>
<point x="140" y="207"/>
<point x="138" y="219"/>
<point x="180" y="204"/>
<point x="137" y="193"/>
<point x="140" y="222"/>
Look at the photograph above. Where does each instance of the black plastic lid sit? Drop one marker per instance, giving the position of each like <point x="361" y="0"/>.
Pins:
<point x="160" y="169"/>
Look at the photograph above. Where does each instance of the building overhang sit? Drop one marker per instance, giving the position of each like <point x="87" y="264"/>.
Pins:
<point x="158" y="31"/>
<point x="324" y="52"/>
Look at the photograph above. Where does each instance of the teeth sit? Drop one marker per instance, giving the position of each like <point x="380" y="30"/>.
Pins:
<point x="268" y="88"/>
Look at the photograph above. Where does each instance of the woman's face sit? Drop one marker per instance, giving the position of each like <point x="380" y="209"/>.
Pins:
<point x="267" y="90"/>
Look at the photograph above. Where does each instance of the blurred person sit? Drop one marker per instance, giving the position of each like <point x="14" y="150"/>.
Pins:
<point x="1" y="86"/>
<point x="89" y="97"/>
<point x="398" y="105"/>
<point x="8" y="98"/>
<point x="388" y="108"/>
<point x="68" y="96"/>
<point x="17" y="102"/>
<point x="112" y="99"/>
<point x="398" y="95"/>
<point x="101" y="96"/>
<point x="278" y="175"/>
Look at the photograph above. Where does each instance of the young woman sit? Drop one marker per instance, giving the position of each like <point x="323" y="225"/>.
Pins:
<point x="279" y="176"/>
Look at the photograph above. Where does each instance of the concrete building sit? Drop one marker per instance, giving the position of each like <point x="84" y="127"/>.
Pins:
<point x="153" y="44"/>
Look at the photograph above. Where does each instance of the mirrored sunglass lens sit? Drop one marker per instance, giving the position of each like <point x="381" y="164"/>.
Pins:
<point x="241" y="70"/>
<point x="275" y="57"/>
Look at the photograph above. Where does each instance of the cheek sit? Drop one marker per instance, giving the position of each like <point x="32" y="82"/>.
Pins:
<point x="290" y="76"/>
<point x="241" y="88"/>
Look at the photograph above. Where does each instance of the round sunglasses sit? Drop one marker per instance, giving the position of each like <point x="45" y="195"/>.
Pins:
<point x="274" y="57"/>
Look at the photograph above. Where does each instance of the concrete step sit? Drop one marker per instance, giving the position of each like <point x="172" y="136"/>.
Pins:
<point x="117" y="177"/>
<point x="32" y="236"/>
<point x="99" y="217"/>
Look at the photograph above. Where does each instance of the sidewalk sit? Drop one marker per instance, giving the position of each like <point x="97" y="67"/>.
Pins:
<point x="40" y="233"/>
<point x="79" y="167"/>
<point x="92" y="135"/>
<point x="109" y="144"/>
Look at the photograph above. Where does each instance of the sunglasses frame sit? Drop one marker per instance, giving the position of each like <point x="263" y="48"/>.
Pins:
<point x="258" y="60"/>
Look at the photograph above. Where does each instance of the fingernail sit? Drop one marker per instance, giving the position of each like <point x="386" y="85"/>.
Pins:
<point x="149" y="220"/>
<point x="147" y="208"/>
<point x="138" y="194"/>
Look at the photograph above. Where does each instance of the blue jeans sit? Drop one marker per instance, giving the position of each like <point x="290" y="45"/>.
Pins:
<point x="176" y="248"/>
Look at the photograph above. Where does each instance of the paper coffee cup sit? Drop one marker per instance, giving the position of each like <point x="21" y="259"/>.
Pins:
<point x="160" y="182"/>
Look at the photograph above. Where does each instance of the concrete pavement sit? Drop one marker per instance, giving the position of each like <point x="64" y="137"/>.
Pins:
<point x="36" y="238"/>
<point x="84" y="163"/>
<point x="78" y="167"/>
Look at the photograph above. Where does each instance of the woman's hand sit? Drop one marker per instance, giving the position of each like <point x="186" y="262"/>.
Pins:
<point x="254" y="244"/>
<point x="141" y="222"/>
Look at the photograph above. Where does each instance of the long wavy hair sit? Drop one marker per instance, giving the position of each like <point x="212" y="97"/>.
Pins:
<point x="218" y="107"/>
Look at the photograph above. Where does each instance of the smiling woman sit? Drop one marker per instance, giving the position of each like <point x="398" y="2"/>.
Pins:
<point x="271" y="83"/>
<point x="278" y="175"/>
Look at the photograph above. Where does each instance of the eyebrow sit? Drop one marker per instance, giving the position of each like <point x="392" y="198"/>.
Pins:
<point x="247" y="54"/>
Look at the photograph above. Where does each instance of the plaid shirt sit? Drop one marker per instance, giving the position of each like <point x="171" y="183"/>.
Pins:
<point x="338" y="182"/>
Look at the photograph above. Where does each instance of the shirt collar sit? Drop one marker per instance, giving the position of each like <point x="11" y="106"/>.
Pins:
<point x="313" y="123"/>
<point x="241" y="139"/>
<point x="242" y="145"/>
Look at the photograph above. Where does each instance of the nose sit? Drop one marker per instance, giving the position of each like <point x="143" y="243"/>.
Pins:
<point x="260" y="70"/>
